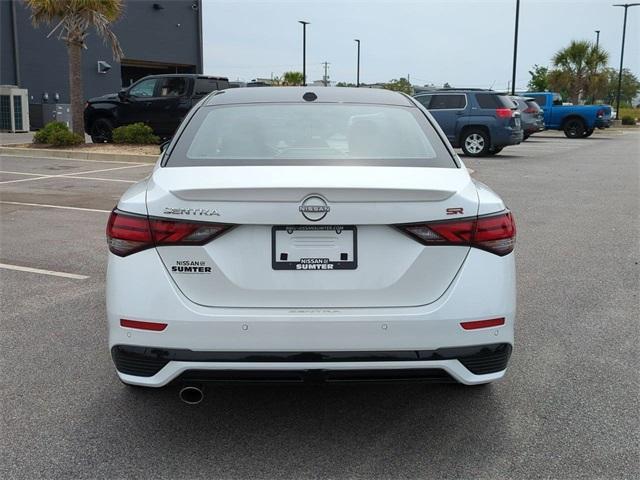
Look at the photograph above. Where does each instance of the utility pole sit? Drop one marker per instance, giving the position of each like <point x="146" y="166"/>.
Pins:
<point x="515" y="50"/>
<point x="358" y="64"/>
<point x="325" y="79"/>
<point x="624" y="31"/>
<point x="304" y="51"/>
<point x="597" y="38"/>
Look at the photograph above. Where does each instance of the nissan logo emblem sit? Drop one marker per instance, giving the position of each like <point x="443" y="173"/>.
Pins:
<point x="314" y="208"/>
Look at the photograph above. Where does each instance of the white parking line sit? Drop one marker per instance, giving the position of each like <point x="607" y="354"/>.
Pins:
<point x="102" y="179"/>
<point x="53" y="273"/>
<point x="21" y="173"/>
<point x="76" y="175"/>
<point x="74" y="159"/>
<point x="62" y="207"/>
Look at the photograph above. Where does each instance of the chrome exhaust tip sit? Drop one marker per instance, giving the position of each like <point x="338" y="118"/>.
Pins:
<point x="191" y="394"/>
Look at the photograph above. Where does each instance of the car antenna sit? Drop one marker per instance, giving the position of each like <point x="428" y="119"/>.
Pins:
<point x="491" y="87"/>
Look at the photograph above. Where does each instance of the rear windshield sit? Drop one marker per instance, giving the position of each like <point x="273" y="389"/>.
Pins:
<point x="533" y="105"/>
<point x="492" y="100"/>
<point x="310" y="134"/>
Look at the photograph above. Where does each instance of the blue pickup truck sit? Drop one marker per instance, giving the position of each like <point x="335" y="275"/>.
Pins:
<point x="577" y="121"/>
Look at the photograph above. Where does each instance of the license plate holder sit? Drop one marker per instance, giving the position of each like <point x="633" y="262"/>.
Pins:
<point x="314" y="247"/>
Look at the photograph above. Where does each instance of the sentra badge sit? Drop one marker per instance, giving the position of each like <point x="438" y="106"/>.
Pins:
<point x="191" y="211"/>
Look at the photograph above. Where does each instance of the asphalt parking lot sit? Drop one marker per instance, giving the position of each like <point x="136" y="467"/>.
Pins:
<point x="568" y="407"/>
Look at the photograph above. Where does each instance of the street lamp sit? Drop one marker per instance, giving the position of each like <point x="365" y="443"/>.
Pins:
<point x="624" y="31"/>
<point x="304" y="51"/>
<point x="515" y="50"/>
<point x="597" y="38"/>
<point x="358" y="68"/>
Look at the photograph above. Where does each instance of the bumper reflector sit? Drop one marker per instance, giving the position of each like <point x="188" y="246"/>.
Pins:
<point x="475" y="324"/>
<point x="153" y="326"/>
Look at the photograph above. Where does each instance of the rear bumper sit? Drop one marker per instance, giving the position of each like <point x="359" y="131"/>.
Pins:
<point x="603" y="123"/>
<point x="141" y="364"/>
<point x="314" y="341"/>
<point x="502" y="137"/>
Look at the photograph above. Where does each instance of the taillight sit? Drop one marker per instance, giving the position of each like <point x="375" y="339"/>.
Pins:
<point x="600" y="113"/>
<point x="503" y="112"/>
<point x="129" y="233"/>
<point x="493" y="233"/>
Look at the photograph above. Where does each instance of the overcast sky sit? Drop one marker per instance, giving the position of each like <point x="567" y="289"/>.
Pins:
<point x="463" y="42"/>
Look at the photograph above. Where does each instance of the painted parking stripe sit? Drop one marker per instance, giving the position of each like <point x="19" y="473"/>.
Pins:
<point x="76" y="175"/>
<point x="40" y="271"/>
<point x="74" y="159"/>
<point x="101" y="179"/>
<point x="62" y="207"/>
<point x="21" y="173"/>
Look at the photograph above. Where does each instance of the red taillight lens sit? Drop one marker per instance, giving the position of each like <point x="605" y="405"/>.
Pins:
<point x="600" y="113"/>
<point x="153" y="326"/>
<point x="494" y="233"/>
<point x="475" y="324"/>
<point x="129" y="233"/>
<point x="503" y="112"/>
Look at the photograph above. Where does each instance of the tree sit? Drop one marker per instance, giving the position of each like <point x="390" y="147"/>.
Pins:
<point x="345" y="84"/>
<point x="74" y="19"/>
<point x="400" y="85"/>
<point x="579" y="70"/>
<point x="539" y="79"/>
<point x="446" y="85"/>
<point x="292" y="78"/>
<point x="629" y="88"/>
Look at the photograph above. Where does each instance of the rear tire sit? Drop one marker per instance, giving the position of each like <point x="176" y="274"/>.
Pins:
<point x="525" y="136"/>
<point x="574" y="128"/>
<point x="588" y="133"/>
<point x="475" y="143"/>
<point x="102" y="131"/>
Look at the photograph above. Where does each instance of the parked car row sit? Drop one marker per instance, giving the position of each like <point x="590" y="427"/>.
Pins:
<point x="480" y="122"/>
<point x="483" y="122"/>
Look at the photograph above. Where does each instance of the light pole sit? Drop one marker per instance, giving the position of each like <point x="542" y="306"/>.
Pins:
<point x="358" y="64"/>
<point x="304" y="51"/>
<point x="624" y="31"/>
<point x="515" y="50"/>
<point x="597" y="38"/>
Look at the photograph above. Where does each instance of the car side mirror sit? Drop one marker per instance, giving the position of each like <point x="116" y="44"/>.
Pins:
<point x="164" y="145"/>
<point x="122" y="94"/>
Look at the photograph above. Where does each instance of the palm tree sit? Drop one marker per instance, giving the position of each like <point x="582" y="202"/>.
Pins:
<point x="578" y="69"/>
<point x="292" y="78"/>
<point x="75" y="18"/>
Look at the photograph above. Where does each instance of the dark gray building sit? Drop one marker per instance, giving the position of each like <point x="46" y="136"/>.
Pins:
<point x="162" y="36"/>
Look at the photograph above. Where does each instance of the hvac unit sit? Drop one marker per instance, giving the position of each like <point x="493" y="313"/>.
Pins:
<point x="14" y="109"/>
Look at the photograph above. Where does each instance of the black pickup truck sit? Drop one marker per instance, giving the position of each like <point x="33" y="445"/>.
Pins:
<point x="160" y="101"/>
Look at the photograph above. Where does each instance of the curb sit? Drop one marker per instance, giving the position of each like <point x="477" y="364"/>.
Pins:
<point x="71" y="154"/>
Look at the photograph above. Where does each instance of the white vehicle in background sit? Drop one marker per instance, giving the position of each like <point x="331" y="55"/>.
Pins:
<point x="329" y="234"/>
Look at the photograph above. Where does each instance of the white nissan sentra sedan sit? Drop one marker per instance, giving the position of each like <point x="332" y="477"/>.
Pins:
<point x="290" y="234"/>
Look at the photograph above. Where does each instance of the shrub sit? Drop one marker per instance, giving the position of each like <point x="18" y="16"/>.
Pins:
<point x="58" y="135"/>
<point x="628" y="120"/>
<point x="138" y="133"/>
<point x="42" y="135"/>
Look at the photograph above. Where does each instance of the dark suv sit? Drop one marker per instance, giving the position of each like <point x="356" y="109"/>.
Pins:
<point x="481" y="122"/>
